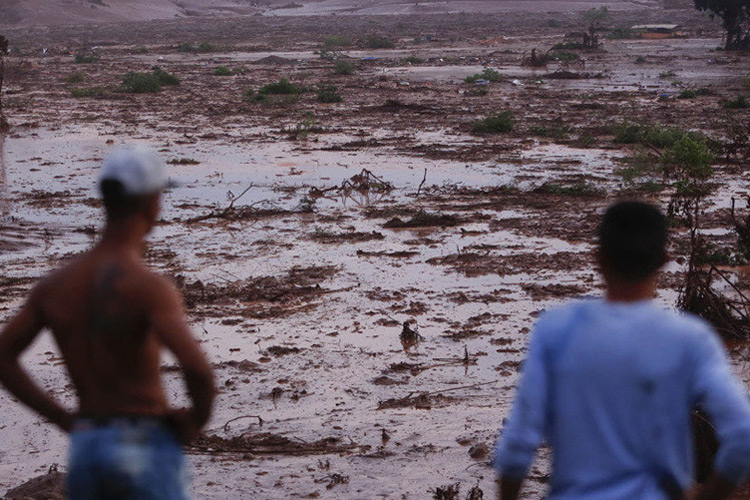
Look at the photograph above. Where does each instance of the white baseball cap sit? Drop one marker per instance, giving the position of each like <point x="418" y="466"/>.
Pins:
<point x="140" y="171"/>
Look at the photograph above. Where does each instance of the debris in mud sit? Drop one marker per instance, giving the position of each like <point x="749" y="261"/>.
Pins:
<point x="386" y="380"/>
<point x="322" y="236"/>
<point x="4" y="126"/>
<point x="298" y="284"/>
<point x="729" y="316"/>
<point x="449" y="492"/>
<point x="280" y="350"/>
<point x="475" y="493"/>
<point x="403" y="366"/>
<point x="336" y="479"/>
<point x="426" y="400"/>
<point x="423" y="219"/>
<point x="554" y="290"/>
<point x="268" y="444"/>
<point x="363" y="184"/>
<point x="563" y="74"/>
<point x="275" y="61"/>
<point x="49" y="486"/>
<point x="254" y="210"/>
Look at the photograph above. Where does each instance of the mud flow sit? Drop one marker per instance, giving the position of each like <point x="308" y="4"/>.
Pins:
<point x="364" y="273"/>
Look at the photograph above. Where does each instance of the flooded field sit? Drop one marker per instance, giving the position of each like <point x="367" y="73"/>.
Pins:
<point x="363" y="274"/>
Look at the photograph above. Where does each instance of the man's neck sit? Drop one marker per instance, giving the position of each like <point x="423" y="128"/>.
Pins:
<point x="625" y="291"/>
<point x="126" y="236"/>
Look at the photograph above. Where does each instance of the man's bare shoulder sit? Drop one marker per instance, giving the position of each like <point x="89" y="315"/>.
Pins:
<point x="158" y="289"/>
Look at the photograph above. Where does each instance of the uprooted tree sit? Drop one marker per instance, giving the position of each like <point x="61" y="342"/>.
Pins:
<point x="735" y="16"/>
<point x="3" y="51"/>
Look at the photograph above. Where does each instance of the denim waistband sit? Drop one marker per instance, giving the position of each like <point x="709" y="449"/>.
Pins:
<point x="119" y="421"/>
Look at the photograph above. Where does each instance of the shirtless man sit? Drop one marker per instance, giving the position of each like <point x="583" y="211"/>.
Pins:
<point x="110" y="317"/>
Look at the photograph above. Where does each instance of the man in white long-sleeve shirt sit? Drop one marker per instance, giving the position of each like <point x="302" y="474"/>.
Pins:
<point x="610" y="385"/>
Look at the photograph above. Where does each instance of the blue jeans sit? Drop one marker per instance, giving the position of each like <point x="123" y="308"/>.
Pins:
<point x="125" y="459"/>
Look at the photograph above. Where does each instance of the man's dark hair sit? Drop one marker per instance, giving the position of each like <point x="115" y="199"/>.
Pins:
<point x="632" y="240"/>
<point x="117" y="204"/>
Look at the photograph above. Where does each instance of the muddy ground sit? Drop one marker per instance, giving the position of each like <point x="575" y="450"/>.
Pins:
<point x="363" y="274"/>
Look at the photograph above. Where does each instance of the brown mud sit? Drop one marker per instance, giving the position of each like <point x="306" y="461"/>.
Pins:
<point x="306" y="235"/>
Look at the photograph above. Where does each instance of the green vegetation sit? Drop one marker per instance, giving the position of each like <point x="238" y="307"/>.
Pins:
<point x="377" y="42"/>
<point x="580" y="188"/>
<point x="223" y="71"/>
<point x="336" y="41"/>
<point x="640" y="60"/>
<point x="86" y="58"/>
<point x="344" y="68"/>
<point x="739" y="102"/>
<point x="328" y="94"/>
<point x="595" y="15"/>
<point x="693" y="93"/>
<point x="568" y="46"/>
<point x="164" y="77"/>
<point x="141" y="50"/>
<point x="621" y="34"/>
<point x="667" y="74"/>
<point x="496" y="124"/>
<point x="552" y="131"/>
<point x="414" y="60"/>
<point x="282" y="87"/>
<point x="563" y="55"/>
<point x="488" y="74"/>
<point x="307" y="126"/>
<point x="746" y="82"/>
<point x="141" y="83"/>
<point x="75" y="77"/>
<point x="735" y="15"/>
<point x="88" y="92"/>
<point x="650" y="135"/>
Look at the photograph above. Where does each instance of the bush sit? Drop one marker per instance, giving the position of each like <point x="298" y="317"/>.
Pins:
<point x="667" y="74"/>
<point x="693" y="93"/>
<point x="580" y="188"/>
<point x="223" y="71"/>
<point x="282" y="87"/>
<point x="640" y="60"/>
<point x="631" y="133"/>
<point x="496" y="124"/>
<point x="88" y="92"/>
<point x="337" y="41"/>
<point x="553" y="131"/>
<point x="599" y="14"/>
<point x="141" y="83"/>
<point x="690" y="158"/>
<point x="739" y="102"/>
<point x="414" y="60"/>
<point x="205" y="47"/>
<point x="186" y="47"/>
<point x="164" y="77"/>
<point x="563" y="55"/>
<point x="75" y="77"/>
<point x="377" y="42"/>
<point x="488" y="74"/>
<point x="344" y="68"/>
<point x="621" y="34"/>
<point x="86" y="58"/>
<point x="327" y="94"/>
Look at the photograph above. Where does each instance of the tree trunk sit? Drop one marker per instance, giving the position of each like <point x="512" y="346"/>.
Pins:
<point x="4" y="126"/>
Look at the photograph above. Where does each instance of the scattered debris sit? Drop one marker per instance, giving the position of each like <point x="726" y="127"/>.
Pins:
<point x="268" y="444"/>
<point x="49" y="486"/>
<point x="423" y="219"/>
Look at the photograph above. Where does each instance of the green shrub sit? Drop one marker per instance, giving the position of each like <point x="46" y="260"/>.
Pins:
<point x="186" y="47"/>
<point x="414" y="60"/>
<point x="327" y="94"/>
<point x="251" y="96"/>
<point x="488" y="74"/>
<point x="141" y="50"/>
<point x="667" y="74"/>
<point x="563" y="55"/>
<point x="688" y="157"/>
<point x="141" y="83"/>
<point x="553" y="131"/>
<point x="496" y="124"/>
<point x="75" y="77"/>
<point x="739" y="102"/>
<point x="86" y="58"/>
<point x="337" y="41"/>
<point x="580" y="188"/>
<point x="344" y="68"/>
<point x="693" y="93"/>
<point x="377" y="42"/>
<point x="165" y="78"/>
<point x="599" y="14"/>
<point x="621" y="34"/>
<point x="205" y="47"/>
<point x="223" y="71"/>
<point x="282" y="87"/>
<point x="568" y="46"/>
<point x="88" y="92"/>
<point x="640" y="60"/>
<point x="632" y="133"/>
